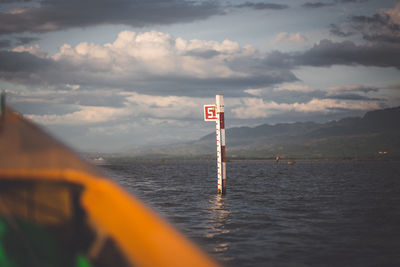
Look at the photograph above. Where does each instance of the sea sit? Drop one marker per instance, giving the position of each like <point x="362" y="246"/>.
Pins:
<point x="312" y="213"/>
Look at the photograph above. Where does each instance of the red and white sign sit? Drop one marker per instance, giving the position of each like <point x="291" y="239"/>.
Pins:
<point x="210" y="113"/>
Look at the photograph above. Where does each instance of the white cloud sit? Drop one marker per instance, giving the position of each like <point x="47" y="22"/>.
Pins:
<point x="255" y="92"/>
<point x="253" y="108"/>
<point x="156" y="53"/>
<point x="134" y="106"/>
<point x="151" y="63"/>
<point x="86" y="115"/>
<point x="73" y="86"/>
<point x="16" y="11"/>
<point x="287" y="37"/>
<point x="34" y="50"/>
<point x="294" y="87"/>
<point x="394" y="14"/>
<point x="164" y="106"/>
<point x="394" y="86"/>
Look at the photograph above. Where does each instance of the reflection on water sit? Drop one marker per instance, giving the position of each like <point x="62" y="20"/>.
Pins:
<point x="218" y="212"/>
<point x="218" y="226"/>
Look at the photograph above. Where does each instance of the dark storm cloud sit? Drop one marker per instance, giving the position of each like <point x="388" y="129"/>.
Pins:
<point x="33" y="71"/>
<point x="261" y="6"/>
<point x="362" y="89"/>
<point x="13" y="1"/>
<point x="89" y="98"/>
<point x="352" y="97"/>
<point x="387" y="38"/>
<point x="394" y="86"/>
<point x="5" y="43"/>
<point x="340" y="31"/>
<point x="316" y="4"/>
<point x="13" y="62"/>
<point x="351" y="1"/>
<point x="378" y="28"/>
<point x="280" y="60"/>
<point x="59" y="14"/>
<point x="40" y="107"/>
<point x="290" y="96"/>
<point x="375" y="19"/>
<point x="328" y="53"/>
<point x="26" y="40"/>
<point x="55" y="102"/>
<point x="313" y="5"/>
<point x="192" y="86"/>
<point x="207" y="54"/>
<point x="293" y="96"/>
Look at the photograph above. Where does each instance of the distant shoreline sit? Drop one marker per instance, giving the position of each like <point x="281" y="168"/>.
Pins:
<point x="121" y="158"/>
<point x="321" y="159"/>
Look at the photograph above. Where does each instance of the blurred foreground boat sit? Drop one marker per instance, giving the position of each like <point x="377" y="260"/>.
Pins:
<point x="58" y="210"/>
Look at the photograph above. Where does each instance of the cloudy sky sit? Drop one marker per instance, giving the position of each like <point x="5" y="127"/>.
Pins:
<point x="110" y="75"/>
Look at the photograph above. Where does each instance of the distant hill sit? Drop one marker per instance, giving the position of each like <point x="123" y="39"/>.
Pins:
<point x="377" y="131"/>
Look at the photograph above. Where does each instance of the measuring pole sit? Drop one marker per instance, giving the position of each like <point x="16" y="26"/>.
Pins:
<point x="220" y="132"/>
<point x="216" y="113"/>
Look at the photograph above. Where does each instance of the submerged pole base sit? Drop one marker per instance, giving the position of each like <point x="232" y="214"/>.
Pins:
<point x="222" y="191"/>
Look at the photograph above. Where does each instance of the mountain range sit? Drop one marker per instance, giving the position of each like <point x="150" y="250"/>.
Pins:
<point x="375" y="135"/>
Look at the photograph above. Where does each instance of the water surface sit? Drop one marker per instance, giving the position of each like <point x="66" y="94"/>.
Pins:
<point x="326" y="213"/>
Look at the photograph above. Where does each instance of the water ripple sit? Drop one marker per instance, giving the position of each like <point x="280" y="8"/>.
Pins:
<point x="307" y="214"/>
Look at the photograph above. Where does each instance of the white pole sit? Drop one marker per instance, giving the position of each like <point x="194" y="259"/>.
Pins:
<point x="220" y="132"/>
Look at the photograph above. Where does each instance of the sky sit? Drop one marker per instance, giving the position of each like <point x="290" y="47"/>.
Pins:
<point x="116" y="75"/>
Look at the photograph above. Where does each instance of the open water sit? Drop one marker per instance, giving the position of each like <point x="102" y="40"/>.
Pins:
<point x="326" y="213"/>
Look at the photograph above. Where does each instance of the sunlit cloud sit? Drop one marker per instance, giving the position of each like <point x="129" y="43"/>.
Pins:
<point x="252" y="108"/>
<point x="86" y="115"/>
<point x="34" y="50"/>
<point x="149" y="62"/>
<point x="287" y="37"/>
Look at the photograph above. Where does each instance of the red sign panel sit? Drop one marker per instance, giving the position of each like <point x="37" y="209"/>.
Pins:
<point x="210" y="113"/>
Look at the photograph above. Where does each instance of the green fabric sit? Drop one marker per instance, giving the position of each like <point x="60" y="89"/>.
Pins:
<point x="81" y="261"/>
<point x="33" y="245"/>
<point x="4" y="260"/>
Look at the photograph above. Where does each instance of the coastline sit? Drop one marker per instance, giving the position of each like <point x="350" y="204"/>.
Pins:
<point x="110" y="158"/>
